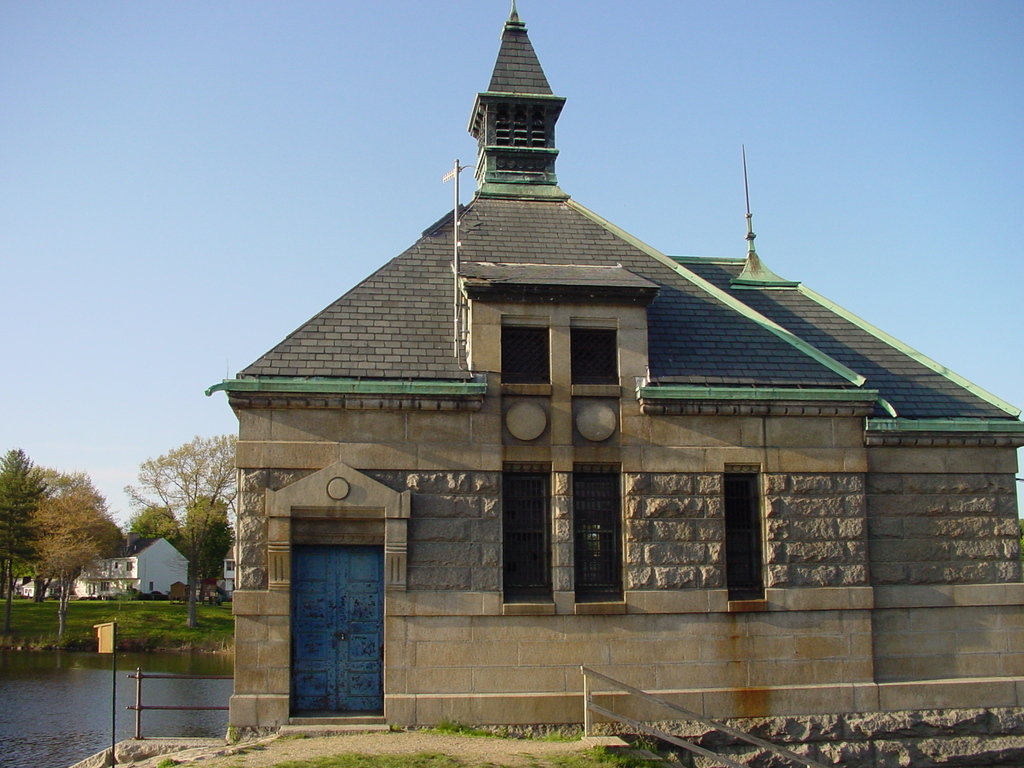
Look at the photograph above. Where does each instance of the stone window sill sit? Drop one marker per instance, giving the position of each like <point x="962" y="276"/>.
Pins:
<point x="602" y="609"/>
<point x="528" y="609"/>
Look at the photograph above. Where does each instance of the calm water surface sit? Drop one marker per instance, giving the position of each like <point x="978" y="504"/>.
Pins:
<point x="55" y="707"/>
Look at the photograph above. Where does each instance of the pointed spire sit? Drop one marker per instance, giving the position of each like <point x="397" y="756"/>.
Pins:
<point x="517" y="69"/>
<point x="755" y="274"/>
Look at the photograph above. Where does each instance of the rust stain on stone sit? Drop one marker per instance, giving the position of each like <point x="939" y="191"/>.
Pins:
<point x="753" y="702"/>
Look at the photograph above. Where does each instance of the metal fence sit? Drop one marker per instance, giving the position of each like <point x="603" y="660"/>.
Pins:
<point x="139" y="707"/>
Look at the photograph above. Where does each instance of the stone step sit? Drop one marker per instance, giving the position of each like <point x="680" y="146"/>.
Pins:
<point x="604" y="741"/>
<point x="327" y="726"/>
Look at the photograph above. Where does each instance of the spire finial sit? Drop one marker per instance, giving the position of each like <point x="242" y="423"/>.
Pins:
<point x="755" y="274"/>
<point x="746" y="193"/>
<point x="514" y="16"/>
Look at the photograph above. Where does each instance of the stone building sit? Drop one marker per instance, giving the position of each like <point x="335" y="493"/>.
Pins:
<point x="687" y="473"/>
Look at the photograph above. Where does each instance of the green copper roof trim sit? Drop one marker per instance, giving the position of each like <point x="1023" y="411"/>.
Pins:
<point x="539" y="190"/>
<point x="944" y="425"/>
<point x="733" y="303"/>
<point x="731" y="260"/>
<point x="926" y="361"/>
<point x="349" y="386"/>
<point x="697" y="392"/>
<point x="530" y="96"/>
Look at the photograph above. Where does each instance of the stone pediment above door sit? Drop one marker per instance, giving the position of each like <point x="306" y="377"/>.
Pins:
<point x="338" y="491"/>
<point x="337" y="505"/>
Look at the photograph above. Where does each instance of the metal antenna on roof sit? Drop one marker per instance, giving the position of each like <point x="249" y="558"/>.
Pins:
<point x="458" y="308"/>
<point x="746" y="193"/>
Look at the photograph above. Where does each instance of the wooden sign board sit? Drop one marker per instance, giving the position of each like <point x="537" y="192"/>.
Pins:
<point x="106" y="633"/>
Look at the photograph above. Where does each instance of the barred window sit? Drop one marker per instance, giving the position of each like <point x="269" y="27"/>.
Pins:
<point x="524" y="355"/>
<point x="526" y="501"/>
<point x="743" y="566"/>
<point x="595" y="356"/>
<point x="597" y="533"/>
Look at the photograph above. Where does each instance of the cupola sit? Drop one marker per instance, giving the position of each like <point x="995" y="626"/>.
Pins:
<point x="514" y="123"/>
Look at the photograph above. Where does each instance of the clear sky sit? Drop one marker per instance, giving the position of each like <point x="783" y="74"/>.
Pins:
<point x="184" y="183"/>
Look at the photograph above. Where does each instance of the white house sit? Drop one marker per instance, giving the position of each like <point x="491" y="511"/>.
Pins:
<point x="145" y="565"/>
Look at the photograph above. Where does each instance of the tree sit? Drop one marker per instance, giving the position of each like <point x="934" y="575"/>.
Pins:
<point x="156" y="523"/>
<point x="219" y="538"/>
<point x="195" y="484"/>
<point x="74" y="529"/>
<point x="21" y="489"/>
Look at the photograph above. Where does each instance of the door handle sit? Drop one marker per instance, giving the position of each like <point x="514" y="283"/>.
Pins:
<point x="340" y="636"/>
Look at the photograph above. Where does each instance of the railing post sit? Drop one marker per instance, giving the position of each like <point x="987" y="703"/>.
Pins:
<point x="588" y="716"/>
<point x="138" y="702"/>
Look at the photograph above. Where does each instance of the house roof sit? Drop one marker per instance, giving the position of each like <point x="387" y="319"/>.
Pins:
<point x="711" y="322"/>
<point x="135" y="547"/>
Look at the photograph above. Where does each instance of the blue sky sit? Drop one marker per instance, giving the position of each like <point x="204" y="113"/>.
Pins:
<point x="182" y="184"/>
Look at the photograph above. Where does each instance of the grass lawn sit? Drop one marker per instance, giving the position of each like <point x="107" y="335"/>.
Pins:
<point x="592" y="758"/>
<point x="141" y="625"/>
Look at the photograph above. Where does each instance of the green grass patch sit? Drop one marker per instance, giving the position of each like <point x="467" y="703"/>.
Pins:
<point x="141" y="625"/>
<point x="355" y="760"/>
<point x="448" y="728"/>
<point x="598" y="757"/>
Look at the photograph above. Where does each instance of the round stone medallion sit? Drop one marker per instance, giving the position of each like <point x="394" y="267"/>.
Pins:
<point x="526" y="420"/>
<point x="596" y="421"/>
<point x="338" y="488"/>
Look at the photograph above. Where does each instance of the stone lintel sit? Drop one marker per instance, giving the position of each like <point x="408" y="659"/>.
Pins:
<point x="948" y="595"/>
<point x="820" y="599"/>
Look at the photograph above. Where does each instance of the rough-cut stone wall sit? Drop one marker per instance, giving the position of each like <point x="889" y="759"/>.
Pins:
<point x="251" y="533"/>
<point x="674" y="530"/>
<point x="815" y="530"/>
<point x="951" y="738"/>
<point x="943" y="529"/>
<point x="454" y="530"/>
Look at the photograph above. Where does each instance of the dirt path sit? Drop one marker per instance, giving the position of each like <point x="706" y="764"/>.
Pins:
<point x="474" y="750"/>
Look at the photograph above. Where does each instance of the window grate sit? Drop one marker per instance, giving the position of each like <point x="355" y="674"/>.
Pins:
<point x="526" y="509"/>
<point x="597" y="526"/>
<point x="594" y="356"/>
<point x="524" y="355"/>
<point x="743" y="571"/>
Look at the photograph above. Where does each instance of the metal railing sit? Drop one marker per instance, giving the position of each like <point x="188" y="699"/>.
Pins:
<point x="139" y="707"/>
<point x="590" y="707"/>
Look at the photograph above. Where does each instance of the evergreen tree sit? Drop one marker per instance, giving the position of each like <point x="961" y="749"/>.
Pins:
<point x="21" y="489"/>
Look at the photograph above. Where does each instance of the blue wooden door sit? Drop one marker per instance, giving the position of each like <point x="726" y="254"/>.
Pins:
<point x="337" y="628"/>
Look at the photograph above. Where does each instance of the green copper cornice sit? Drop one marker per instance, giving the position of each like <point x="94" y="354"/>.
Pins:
<point x="722" y="296"/>
<point x="698" y="392"/>
<point x="1005" y="426"/>
<point x="349" y="386"/>
<point x="910" y="352"/>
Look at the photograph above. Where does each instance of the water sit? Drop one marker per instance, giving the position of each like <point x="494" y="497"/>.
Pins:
<point x="55" y="706"/>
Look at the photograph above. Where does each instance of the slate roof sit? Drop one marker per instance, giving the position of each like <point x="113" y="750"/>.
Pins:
<point x="396" y="324"/>
<point x="518" y="69"/>
<point x="914" y="389"/>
